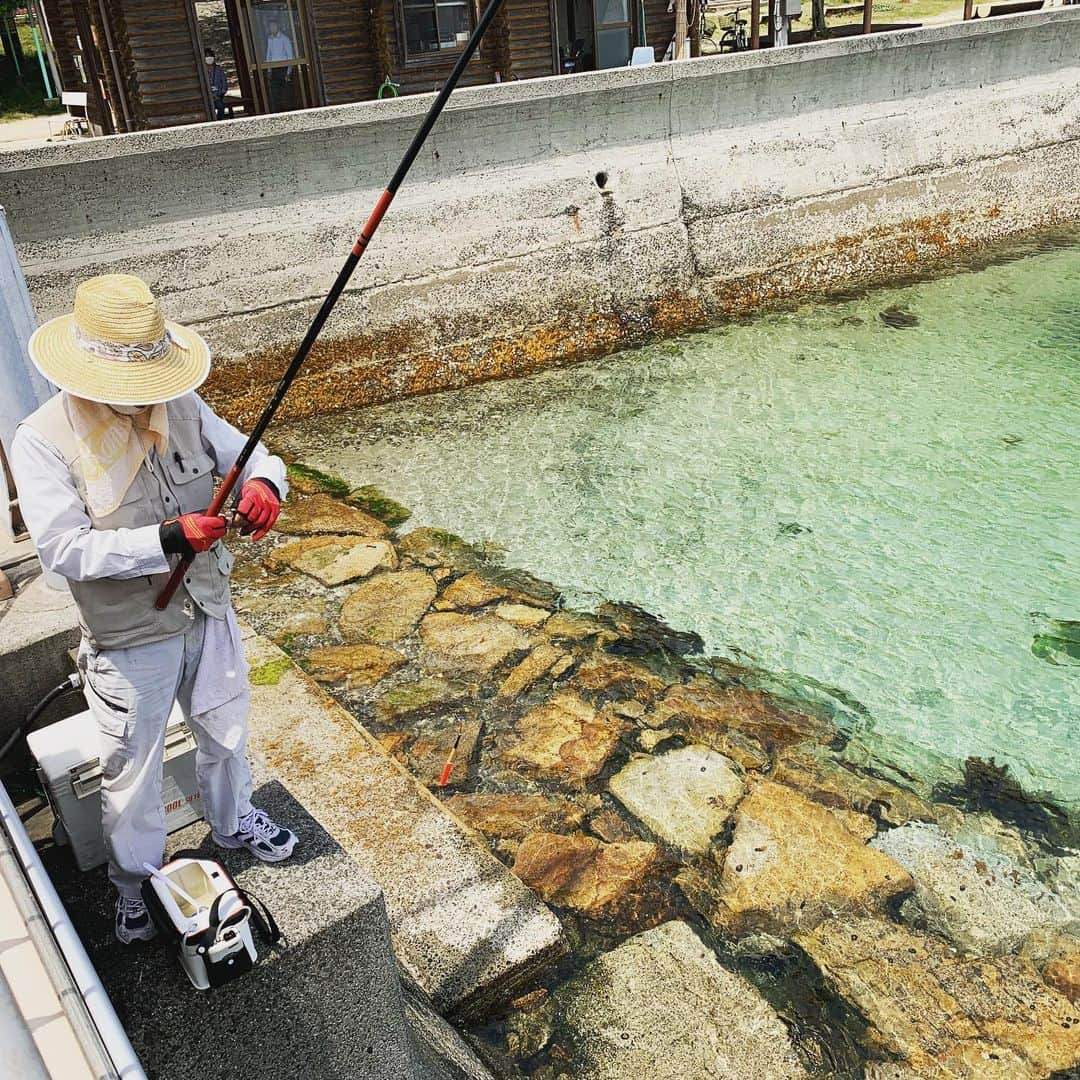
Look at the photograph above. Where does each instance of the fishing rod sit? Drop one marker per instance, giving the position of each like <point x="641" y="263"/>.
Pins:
<point x="358" y="249"/>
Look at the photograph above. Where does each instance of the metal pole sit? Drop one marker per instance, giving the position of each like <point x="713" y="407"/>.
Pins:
<point x="755" y="24"/>
<point x="41" y="61"/>
<point x="50" y="48"/>
<point x="346" y="272"/>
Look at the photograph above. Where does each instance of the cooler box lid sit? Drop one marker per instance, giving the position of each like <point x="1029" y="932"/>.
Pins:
<point x="74" y="742"/>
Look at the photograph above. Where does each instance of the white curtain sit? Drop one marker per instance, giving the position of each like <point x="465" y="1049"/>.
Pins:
<point x="22" y="388"/>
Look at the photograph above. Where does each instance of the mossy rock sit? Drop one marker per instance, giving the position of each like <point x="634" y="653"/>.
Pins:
<point x="373" y="501"/>
<point x="307" y="480"/>
<point x="270" y="674"/>
<point x="436" y="547"/>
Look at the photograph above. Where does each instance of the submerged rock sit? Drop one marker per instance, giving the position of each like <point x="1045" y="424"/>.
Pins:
<point x="335" y="560"/>
<point x="564" y="739"/>
<point x="898" y="318"/>
<point x="469" y="592"/>
<point x="601" y="672"/>
<point x="427" y="754"/>
<point x="685" y="796"/>
<point x="373" y="501"/>
<point x="641" y="632"/>
<point x="317" y="515"/>
<point x="1062" y="970"/>
<point x="388" y="607"/>
<point x="353" y="665"/>
<point x="747" y="721"/>
<point x="824" y="779"/>
<point x="469" y="644"/>
<point x="591" y="877"/>
<point x="522" y="614"/>
<point x="537" y="664"/>
<point x="943" y="1015"/>
<point x="981" y="901"/>
<point x="473" y="590"/>
<point x="409" y="700"/>
<point x="530" y="1025"/>
<point x="513" y="817"/>
<point x="611" y="828"/>
<point x="577" y="626"/>
<point x="790" y="865"/>
<point x="435" y="547"/>
<point x="660" y="1007"/>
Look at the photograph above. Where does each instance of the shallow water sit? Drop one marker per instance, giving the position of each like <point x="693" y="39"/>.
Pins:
<point x="877" y="504"/>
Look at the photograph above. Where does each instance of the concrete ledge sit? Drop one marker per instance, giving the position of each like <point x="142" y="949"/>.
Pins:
<point x="36" y="632"/>
<point x="561" y="218"/>
<point x="326" y="1004"/>
<point x="465" y="929"/>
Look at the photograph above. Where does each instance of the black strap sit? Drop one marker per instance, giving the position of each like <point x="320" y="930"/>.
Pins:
<point x="262" y="917"/>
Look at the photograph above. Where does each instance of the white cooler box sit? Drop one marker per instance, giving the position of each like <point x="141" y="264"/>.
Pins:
<point x="69" y="770"/>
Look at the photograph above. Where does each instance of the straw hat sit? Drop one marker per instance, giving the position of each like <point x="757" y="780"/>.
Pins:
<point x="116" y="348"/>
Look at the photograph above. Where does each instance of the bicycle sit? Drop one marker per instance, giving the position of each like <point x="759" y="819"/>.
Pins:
<point x="734" y="38"/>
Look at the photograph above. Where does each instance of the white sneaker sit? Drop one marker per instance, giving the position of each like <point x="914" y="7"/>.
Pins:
<point x="133" y="920"/>
<point x="264" y="839"/>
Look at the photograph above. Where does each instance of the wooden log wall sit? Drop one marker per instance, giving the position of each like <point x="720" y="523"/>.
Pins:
<point x="165" y="68"/>
<point x="344" y="47"/>
<point x="659" y="26"/>
<point x="531" y="38"/>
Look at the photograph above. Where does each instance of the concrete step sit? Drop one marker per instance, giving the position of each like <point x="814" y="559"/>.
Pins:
<point x="465" y="930"/>
<point x="36" y="630"/>
<point x="328" y="1002"/>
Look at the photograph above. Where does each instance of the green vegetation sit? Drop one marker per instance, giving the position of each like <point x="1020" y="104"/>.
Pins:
<point x="22" y="97"/>
<point x="307" y="480"/>
<point x="270" y="674"/>
<point x="372" y="501"/>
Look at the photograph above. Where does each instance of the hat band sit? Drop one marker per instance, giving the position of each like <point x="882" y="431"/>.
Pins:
<point x="126" y="351"/>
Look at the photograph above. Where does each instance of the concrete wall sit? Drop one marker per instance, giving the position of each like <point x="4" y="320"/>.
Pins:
<point x="730" y="182"/>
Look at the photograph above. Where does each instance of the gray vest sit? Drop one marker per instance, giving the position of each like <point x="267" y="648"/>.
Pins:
<point x="116" y="613"/>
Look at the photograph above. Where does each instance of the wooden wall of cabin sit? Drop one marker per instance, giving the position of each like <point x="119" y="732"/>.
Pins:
<point x="659" y="26"/>
<point x="343" y="47"/>
<point x="61" y="21"/>
<point x="163" y="64"/>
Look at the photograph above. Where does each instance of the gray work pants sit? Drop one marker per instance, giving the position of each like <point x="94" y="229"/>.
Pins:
<point x="131" y="693"/>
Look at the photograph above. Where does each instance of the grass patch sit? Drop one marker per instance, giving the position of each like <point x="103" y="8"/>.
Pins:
<point x="25" y="97"/>
<point x="270" y="674"/>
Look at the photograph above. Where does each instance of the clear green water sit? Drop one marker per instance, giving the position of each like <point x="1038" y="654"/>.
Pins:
<point x="877" y="508"/>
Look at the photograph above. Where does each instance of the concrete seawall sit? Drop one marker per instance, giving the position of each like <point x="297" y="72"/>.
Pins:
<point x="559" y="218"/>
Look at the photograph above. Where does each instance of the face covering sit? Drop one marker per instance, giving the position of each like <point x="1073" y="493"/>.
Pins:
<point x="129" y="410"/>
<point x="210" y="61"/>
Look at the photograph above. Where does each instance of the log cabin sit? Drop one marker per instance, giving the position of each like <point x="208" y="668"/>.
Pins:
<point x="141" y="62"/>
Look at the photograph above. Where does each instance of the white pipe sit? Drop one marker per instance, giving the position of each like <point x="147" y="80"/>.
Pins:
<point x="82" y="970"/>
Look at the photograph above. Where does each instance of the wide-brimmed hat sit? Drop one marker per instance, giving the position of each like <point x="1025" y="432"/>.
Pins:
<point x="117" y="349"/>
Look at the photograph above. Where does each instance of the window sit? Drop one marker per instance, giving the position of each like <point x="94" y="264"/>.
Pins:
<point x="435" y="25"/>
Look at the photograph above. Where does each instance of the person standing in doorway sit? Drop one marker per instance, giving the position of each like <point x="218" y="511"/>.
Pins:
<point x="219" y="83"/>
<point x="279" y="48"/>
<point x="116" y="472"/>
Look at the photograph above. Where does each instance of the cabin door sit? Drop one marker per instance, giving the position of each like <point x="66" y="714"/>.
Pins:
<point x="612" y="32"/>
<point x="277" y="53"/>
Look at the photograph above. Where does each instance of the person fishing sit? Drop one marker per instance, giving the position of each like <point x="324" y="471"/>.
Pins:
<point x="115" y="473"/>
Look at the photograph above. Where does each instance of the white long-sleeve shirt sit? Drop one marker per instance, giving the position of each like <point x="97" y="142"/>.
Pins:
<point x="60" y="525"/>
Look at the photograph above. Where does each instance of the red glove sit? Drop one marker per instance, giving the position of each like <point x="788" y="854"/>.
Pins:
<point x="259" y="506"/>
<point x="191" y="533"/>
